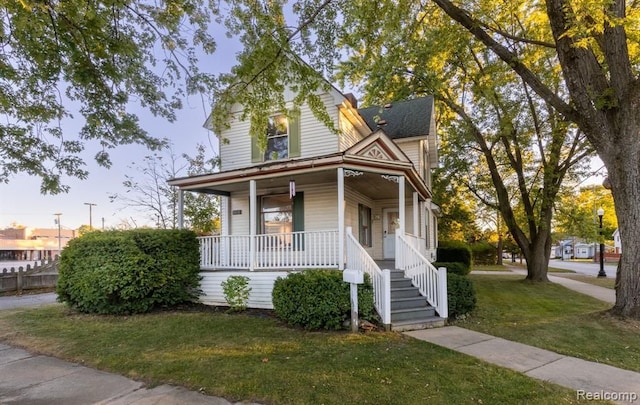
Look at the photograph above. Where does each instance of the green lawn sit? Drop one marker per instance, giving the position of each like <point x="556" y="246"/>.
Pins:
<point x="552" y="317"/>
<point x="606" y="282"/>
<point x="252" y="358"/>
<point x="489" y="267"/>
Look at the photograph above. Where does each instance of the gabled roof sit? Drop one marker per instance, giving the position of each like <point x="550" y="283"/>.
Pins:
<point x="401" y="119"/>
<point x="378" y="146"/>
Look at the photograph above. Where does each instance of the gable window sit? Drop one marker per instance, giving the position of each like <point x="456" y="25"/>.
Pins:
<point x="277" y="138"/>
<point x="364" y="224"/>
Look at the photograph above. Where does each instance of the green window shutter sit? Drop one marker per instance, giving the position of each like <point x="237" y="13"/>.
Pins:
<point x="298" y="220"/>
<point x="294" y="134"/>
<point x="256" y="156"/>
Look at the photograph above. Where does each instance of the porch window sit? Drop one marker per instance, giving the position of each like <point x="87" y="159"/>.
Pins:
<point x="277" y="219"/>
<point x="277" y="138"/>
<point x="364" y="224"/>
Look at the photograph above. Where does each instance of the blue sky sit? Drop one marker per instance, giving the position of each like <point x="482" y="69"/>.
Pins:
<point x="22" y="203"/>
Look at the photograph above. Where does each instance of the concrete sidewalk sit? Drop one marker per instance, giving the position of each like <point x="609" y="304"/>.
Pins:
<point x="32" y="379"/>
<point x="584" y="376"/>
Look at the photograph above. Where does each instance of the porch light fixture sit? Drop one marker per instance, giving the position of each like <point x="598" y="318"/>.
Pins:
<point x="292" y="189"/>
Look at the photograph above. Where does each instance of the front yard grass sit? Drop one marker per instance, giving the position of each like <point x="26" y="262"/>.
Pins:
<point x="606" y="282"/>
<point x="251" y="358"/>
<point x="552" y="317"/>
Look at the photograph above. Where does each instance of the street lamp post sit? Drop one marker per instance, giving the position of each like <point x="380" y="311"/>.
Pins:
<point x="601" y="273"/>
<point x="59" y="232"/>
<point x="90" y="215"/>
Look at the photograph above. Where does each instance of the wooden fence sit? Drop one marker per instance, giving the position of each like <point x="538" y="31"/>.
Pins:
<point x="43" y="275"/>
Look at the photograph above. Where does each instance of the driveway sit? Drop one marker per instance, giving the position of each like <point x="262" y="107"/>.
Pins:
<point x="589" y="268"/>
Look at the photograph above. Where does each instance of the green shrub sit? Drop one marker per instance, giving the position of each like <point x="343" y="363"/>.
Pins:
<point x="461" y="295"/>
<point x="453" y="267"/>
<point x="122" y="272"/>
<point x="236" y="292"/>
<point x="454" y="251"/>
<point x="319" y="299"/>
<point x="484" y="253"/>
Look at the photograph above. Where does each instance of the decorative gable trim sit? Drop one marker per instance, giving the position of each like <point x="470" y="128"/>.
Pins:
<point x="378" y="146"/>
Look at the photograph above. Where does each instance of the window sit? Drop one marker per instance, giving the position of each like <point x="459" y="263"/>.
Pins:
<point x="364" y="224"/>
<point x="283" y="139"/>
<point x="277" y="218"/>
<point x="277" y="138"/>
<point x="280" y="216"/>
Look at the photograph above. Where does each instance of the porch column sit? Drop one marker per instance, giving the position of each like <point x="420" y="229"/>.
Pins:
<point x="416" y="215"/>
<point x="340" y="218"/>
<point x="180" y="209"/>
<point x="225" y="219"/>
<point x="401" y="204"/>
<point x="253" y="214"/>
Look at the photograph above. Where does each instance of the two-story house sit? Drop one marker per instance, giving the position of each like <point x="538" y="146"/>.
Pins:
<point x="313" y="199"/>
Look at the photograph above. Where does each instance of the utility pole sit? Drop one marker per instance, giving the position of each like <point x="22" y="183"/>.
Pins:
<point x="90" y="215"/>
<point x="59" y="232"/>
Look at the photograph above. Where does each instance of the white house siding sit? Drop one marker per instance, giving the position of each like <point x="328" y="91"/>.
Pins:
<point x="315" y="138"/>
<point x="320" y="208"/>
<point x="235" y="146"/>
<point x="239" y="223"/>
<point x="261" y="284"/>
<point x="349" y="135"/>
<point x="412" y="150"/>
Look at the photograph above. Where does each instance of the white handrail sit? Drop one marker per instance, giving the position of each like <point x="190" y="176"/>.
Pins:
<point x="359" y="259"/>
<point x="292" y="250"/>
<point x="431" y="282"/>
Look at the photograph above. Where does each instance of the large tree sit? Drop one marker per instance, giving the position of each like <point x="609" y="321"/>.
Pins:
<point x="595" y="43"/>
<point x="590" y="46"/>
<point x="98" y="59"/>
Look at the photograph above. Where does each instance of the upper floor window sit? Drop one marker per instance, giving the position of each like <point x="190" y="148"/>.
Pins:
<point x="277" y="138"/>
<point x="283" y="138"/>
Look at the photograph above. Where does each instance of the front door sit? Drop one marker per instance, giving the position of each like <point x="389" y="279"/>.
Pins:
<point x="390" y="218"/>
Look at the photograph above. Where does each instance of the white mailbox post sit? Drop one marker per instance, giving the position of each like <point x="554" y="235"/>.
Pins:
<point x="353" y="277"/>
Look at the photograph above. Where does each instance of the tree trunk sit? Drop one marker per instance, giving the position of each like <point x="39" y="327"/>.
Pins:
<point x="538" y="257"/>
<point x="624" y="173"/>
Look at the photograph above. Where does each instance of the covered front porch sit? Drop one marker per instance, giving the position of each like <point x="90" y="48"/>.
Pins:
<point x="334" y="212"/>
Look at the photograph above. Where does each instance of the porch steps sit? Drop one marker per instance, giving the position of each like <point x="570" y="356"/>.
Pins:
<point x="409" y="309"/>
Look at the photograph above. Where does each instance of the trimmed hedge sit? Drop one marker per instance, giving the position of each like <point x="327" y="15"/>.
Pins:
<point x="454" y="251"/>
<point x="123" y="272"/>
<point x="484" y="253"/>
<point x="453" y="267"/>
<point x="461" y="295"/>
<point x="319" y="299"/>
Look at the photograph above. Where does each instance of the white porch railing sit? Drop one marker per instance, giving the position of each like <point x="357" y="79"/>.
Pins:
<point x="431" y="282"/>
<point x="418" y="243"/>
<point x="294" y="250"/>
<point x="358" y="259"/>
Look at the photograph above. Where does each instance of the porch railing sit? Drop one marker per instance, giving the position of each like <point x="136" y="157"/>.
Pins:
<point x="417" y="243"/>
<point x="358" y="259"/>
<point x="431" y="282"/>
<point x="293" y="250"/>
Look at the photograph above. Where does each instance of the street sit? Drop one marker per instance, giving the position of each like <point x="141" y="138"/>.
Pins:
<point x="589" y="268"/>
